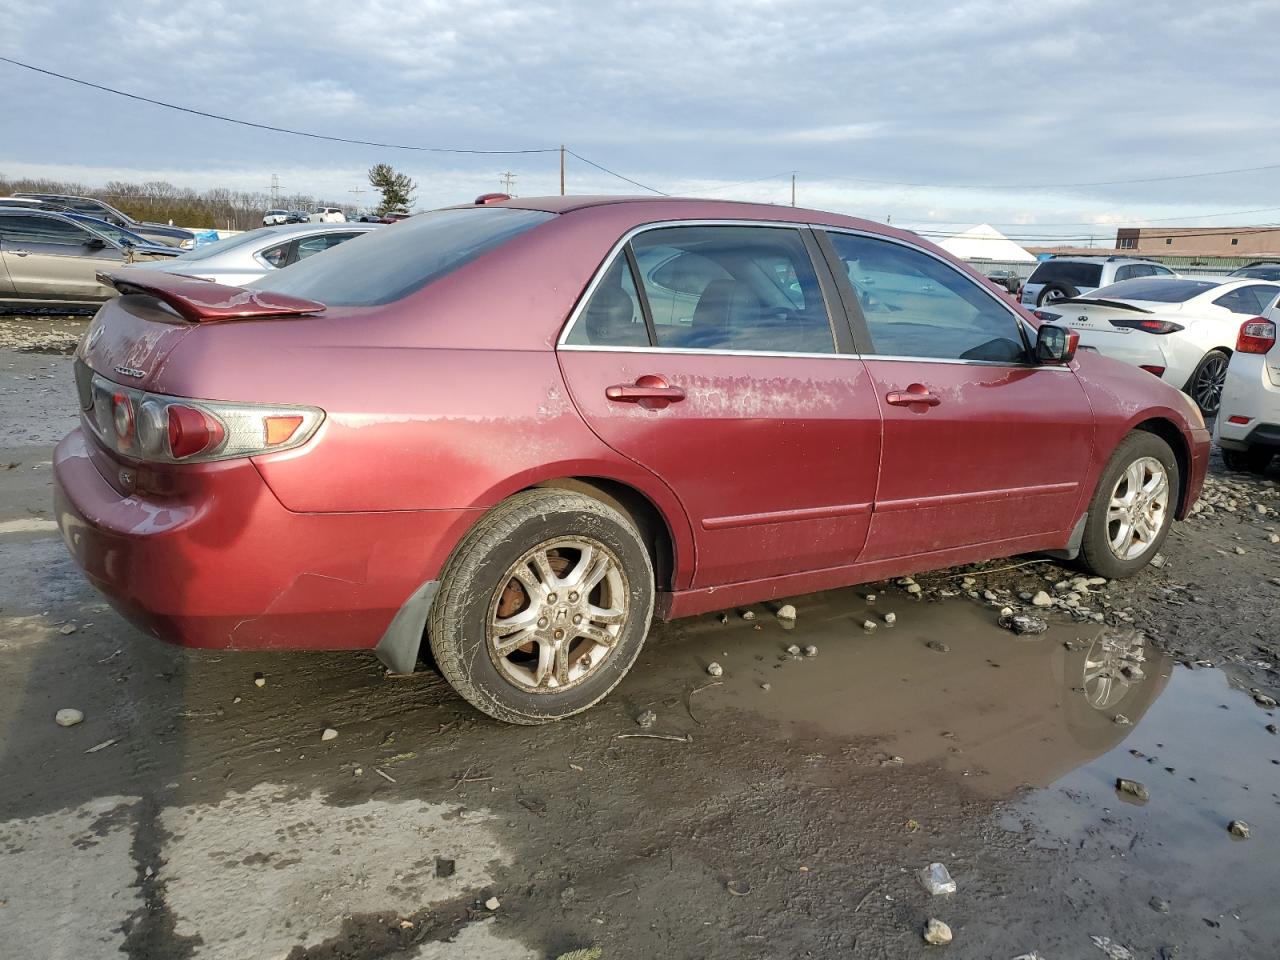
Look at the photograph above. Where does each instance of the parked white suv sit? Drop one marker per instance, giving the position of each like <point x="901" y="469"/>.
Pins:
<point x="328" y="215"/>
<point x="273" y="218"/>
<point x="1065" y="277"/>
<point x="1248" y="426"/>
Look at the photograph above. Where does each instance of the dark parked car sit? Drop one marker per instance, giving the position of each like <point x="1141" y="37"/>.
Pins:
<point x="1262" y="270"/>
<point x="1008" y="279"/>
<point x="155" y="232"/>
<point x="519" y="431"/>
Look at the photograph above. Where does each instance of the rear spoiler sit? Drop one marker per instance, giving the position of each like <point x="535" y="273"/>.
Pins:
<point x="1117" y="304"/>
<point x="199" y="301"/>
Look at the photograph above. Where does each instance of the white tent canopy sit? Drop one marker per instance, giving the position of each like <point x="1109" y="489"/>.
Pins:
<point x="985" y="242"/>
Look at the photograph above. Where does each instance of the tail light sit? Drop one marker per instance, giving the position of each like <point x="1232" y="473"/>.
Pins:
<point x="1045" y="315"/>
<point x="1256" y="336"/>
<point x="1148" y="326"/>
<point x="1152" y="368"/>
<point x="163" y="429"/>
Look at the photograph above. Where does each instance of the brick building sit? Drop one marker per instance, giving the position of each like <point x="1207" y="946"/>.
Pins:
<point x="1250" y="242"/>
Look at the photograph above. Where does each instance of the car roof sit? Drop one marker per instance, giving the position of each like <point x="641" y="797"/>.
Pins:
<point x="289" y="229"/>
<point x="640" y="210"/>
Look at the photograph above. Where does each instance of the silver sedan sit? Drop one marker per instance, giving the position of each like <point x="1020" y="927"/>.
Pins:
<point x="245" y="257"/>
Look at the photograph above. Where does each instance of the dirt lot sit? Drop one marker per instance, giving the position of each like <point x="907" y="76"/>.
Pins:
<point x="782" y="811"/>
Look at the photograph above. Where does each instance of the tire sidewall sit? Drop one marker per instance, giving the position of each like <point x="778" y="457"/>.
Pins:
<point x="466" y="627"/>
<point x="1097" y="546"/>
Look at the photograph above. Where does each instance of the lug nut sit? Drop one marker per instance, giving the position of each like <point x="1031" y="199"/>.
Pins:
<point x="551" y="598"/>
<point x="577" y="618"/>
<point x="559" y="634"/>
<point x="542" y="622"/>
<point x="573" y="598"/>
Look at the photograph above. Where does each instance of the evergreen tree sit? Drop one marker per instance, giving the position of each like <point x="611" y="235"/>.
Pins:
<point x="397" y="189"/>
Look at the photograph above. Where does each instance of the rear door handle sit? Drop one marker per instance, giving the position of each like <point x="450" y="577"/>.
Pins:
<point x="916" y="393"/>
<point x="648" y="391"/>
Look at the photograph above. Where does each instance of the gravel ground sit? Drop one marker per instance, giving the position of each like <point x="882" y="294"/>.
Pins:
<point x="783" y="809"/>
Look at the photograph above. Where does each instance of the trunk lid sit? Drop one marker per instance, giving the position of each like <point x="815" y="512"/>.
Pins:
<point x="133" y="334"/>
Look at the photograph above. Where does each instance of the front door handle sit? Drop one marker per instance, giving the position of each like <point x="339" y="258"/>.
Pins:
<point x="17" y="253"/>
<point x="915" y="393"/>
<point x="649" y="391"/>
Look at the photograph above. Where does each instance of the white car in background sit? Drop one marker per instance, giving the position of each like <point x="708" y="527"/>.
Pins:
<point x="273" y="218"/>
<point x="1061" y="278"/>
<point x="328" y="215"/>
<point x="1183" y="330"/>
<point x="1248" y="426"/>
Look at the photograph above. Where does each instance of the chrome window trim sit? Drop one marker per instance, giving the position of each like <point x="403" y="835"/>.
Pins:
<point x="580" y="307"/>
<point x="1022" y="325"/>
<point x="694" y="352"/>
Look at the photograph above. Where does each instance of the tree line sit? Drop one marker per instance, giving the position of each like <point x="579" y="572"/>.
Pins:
<point x="160" y="201"/>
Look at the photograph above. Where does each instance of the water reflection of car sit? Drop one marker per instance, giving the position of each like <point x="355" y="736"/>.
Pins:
<point x="245" y="257"/>
<point x="53" y="259"/>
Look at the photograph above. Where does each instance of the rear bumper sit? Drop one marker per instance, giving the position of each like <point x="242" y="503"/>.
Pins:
<point x="223" y="564"/>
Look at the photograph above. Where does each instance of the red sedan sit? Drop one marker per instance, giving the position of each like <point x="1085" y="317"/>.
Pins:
<point x="519" y="430"/>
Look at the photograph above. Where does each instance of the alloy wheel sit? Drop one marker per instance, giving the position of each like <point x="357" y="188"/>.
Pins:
<point x="1111" y="668"/>
<point x="557" y="614"/>
<point x="1207" y="389"/>
<point x="1137" y="509"/>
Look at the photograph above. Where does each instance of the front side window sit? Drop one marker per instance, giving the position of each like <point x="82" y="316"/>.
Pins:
<point x="41" y="230"/>
<point x="732" y="288"/>
<point x="917" y="306"/>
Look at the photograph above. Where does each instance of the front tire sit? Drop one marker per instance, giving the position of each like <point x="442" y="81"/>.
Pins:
<point x="1132" y="509"/>
<point x="543" y="607"/>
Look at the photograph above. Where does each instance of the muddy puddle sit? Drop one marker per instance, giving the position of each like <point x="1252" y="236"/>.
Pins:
<point x="1048" y="722"/>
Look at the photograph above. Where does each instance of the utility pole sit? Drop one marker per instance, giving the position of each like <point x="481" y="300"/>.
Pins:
<point x="562" y="169"/>
<point x="508" y="179"/>
<point x="275" y="190"/>
<point x="357" y="191"/>
<point x="793" y="189"/>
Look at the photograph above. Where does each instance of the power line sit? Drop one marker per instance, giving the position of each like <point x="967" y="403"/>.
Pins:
<point x="614" y="173"/>
<point x="264" y="126"/>
<point x="1046" y="186"/>
<point x="1101" y="234"/>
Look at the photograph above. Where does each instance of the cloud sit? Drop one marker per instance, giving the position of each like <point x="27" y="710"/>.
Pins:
<point x="673" y="94"/>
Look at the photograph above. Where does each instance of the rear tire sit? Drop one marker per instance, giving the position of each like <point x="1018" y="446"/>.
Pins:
<point x="543" y="607"/>
<point x="1132" y="509"/>
<point x="1205" y="385"/>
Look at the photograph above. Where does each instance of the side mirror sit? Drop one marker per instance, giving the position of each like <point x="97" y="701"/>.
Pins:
<point x="95" y="243"/>
<point x="1056" y="345"/>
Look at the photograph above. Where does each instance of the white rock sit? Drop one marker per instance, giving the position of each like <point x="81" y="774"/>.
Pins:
<point x="68" y="717"/>
<point x="937" y="933"/>
<point x="869" y="625"/>
<point x="329" y="734"/>
<point x="1042" y="599"/>
<point x="259" y="681"/>
<point x="786" y="612"/>
<point x="748" y="614"/>
<point x="715" y="669"/>
<point x="891" y="618"/>
<point x="871" y="598"/>
<point x="914" y="588"/>
<point x="493" y="903"/>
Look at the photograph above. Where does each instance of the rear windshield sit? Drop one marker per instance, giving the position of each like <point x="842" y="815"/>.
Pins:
<point x="1065" y="271"/>
<point x="1155" y="289"/>
<point x="393" y="262"/>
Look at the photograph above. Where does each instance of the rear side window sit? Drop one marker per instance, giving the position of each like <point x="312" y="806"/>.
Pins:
<point x="1065" y="271"/>
<point x="1247" y="301"/>
<point x="613" y="316"/>
<point x="392" y="263"/>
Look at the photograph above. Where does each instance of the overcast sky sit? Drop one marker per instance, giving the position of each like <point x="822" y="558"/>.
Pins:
<point x="690" y="98"/>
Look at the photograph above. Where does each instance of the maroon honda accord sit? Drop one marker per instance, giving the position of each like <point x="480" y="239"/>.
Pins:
<point x="517" y="431"/>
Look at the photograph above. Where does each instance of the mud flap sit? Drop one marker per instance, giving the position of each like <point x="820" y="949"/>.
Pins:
<point x="399" y="646"/>
<point x="1072" y="549"/>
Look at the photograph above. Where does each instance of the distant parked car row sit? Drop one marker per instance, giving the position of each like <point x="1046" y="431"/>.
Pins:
<point x="52" y="258"/>
<point x="154" y="232"/>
